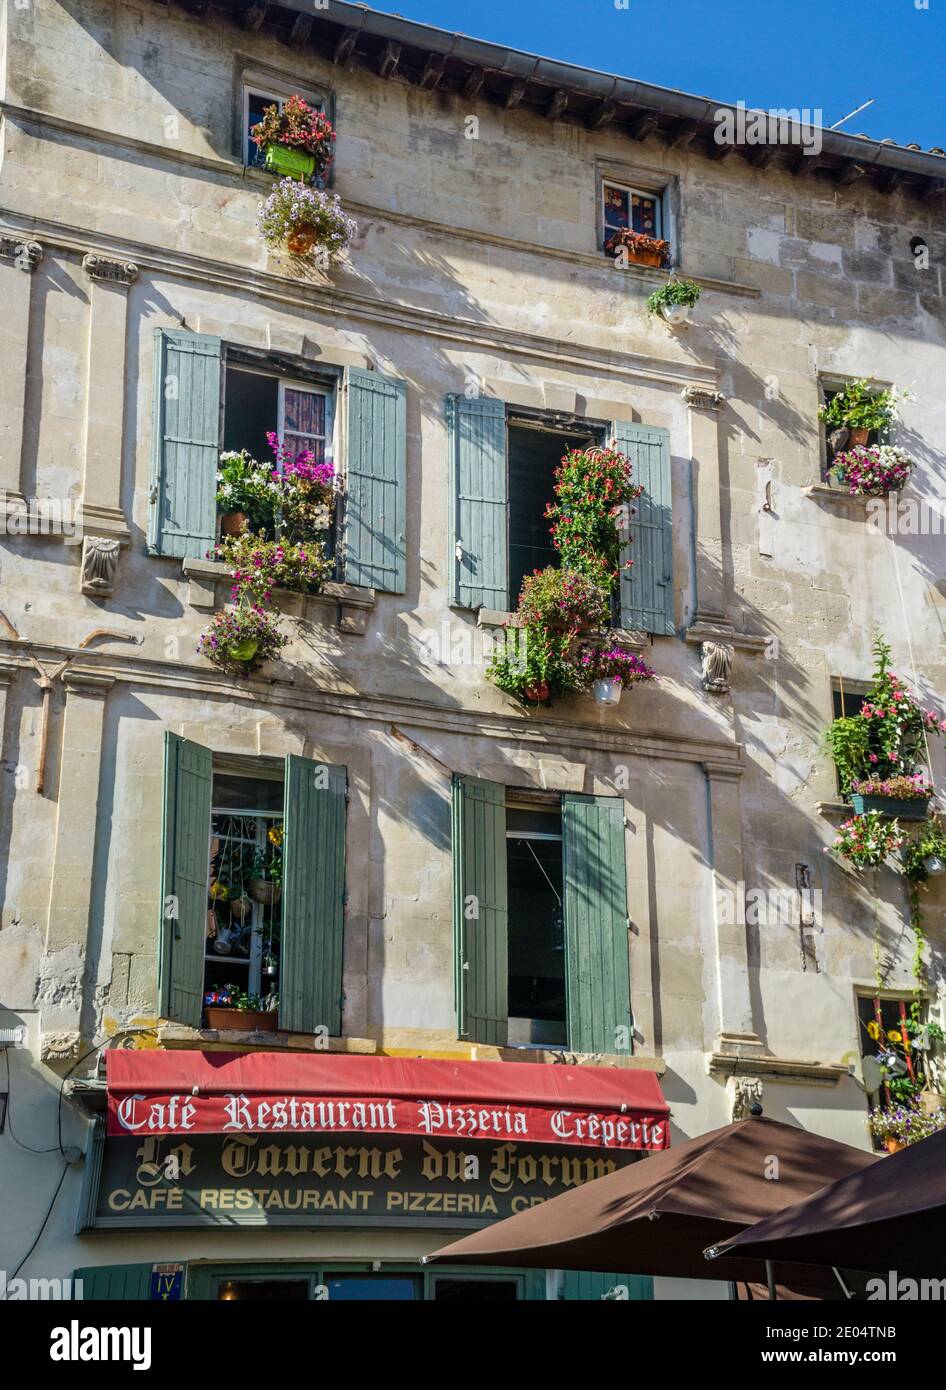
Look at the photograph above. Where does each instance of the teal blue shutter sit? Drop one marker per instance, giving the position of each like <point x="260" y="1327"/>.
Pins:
<point x="188" y="784"/>
<point x="647" y="594"/>
<point x="480" y="910"/>
<point x="186" y="443"/>
<point x="313" y="897"/>
<point x="123" y="1283"/>
<point x="477" y="563"/>
<point x="597" y="977"/>
<point x="375" y="539"/>
<point x="586" y="1286"/>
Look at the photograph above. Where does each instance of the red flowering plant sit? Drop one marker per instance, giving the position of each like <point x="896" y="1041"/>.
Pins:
<point x="238" y="639"/>
<point x="901" y="787"/>
<point x="594" y="494"/>
<point x="260" y="565"/>
<point x="298" y="126"/>
<point x="614" y="664"/>
<point x="867" y="840"/>
<point x="637" y="243"/>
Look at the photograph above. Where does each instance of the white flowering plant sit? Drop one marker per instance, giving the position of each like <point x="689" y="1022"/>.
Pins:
<point x="306" y="219"/>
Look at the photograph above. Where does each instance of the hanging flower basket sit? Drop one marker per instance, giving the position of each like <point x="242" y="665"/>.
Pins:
<point x="263" y="891"/>
<point x="607" y="692"/>
<point x="238" y="639"/>
<point x="310" y="219"/>
<point x="903" y="797"/>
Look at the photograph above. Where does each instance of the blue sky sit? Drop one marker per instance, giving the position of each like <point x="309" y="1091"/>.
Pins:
<point x="827" y="54"/>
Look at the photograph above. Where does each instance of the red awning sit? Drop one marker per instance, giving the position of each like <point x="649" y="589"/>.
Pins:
<point x="153" y="1093"/>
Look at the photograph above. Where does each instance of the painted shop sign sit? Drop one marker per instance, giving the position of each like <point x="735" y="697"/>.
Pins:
<point x="252" y="1180"/>
<point x="172" y="1114"/>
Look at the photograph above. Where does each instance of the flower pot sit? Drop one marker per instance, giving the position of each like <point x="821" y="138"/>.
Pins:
<point x="903" y="807"/>
<point x="537" y="693"/>
<point x="289" y="163"/>
<point x="301" y="239"/>
<point x="607" y="692"/>
<point x="858" y="435"/>
<point x="244" y="651"/>
<point x="241" y="1020"/>
<point x="653" y="258"/>
<point x="264" y="891"/>
<point x="931" y="1101"/>
<point x="894" y="1146"/>
<point x="241" y="908"/>
<point x="232" y="523"/>
<point x="676" y="314"/>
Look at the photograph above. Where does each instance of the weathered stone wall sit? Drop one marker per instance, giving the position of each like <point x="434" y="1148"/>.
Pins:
<point x="475" y="259"/>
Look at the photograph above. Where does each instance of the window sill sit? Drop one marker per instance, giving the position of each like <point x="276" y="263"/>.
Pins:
<point x="838" y="497"/>
<point x="348" y="604"/>
<point x="177" y="1035"/>
<point x="834" y="808"/>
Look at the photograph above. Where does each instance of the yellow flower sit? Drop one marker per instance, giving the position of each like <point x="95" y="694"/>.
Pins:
<point x="893" y="1036"/>
<point x="874" y="1031"/>
<point x="275" y="836"/>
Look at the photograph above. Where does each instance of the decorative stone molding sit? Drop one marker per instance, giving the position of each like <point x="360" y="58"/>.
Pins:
<point x="350" y="604"/>
<point x="25" y="255"/>
<point x="834" y="808"/>
<point x="777" y="1069"/>
<point x="85" y="682"/>
<point x="100" y="555"/>
<point x="703" y="630"/>
<point x="60" y="1047"/>
<point x="716" y="663"/>
<point x="702" y="398"/>
<point x="746" y="1092"/>
<point x="123" y="273"/>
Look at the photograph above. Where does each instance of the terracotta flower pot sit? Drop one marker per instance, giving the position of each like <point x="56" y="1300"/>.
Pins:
<point x="643" y="257"/>
<point x="538" y="692"/>
<point x="858" y="436"/>
<point x="894" y="1146"/>
<point x="232" y="523"/>
<point x="241" y="1020"/>
<point x="301" y="239"/>
<point x="262" y="890"/>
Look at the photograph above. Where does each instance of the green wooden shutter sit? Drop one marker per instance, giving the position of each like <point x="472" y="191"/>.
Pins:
<point x="596" y="929"/>
<point x="313" y="897"/>
<point x="585" y="1285"/>
<point x="375" y="540"/>
<point x="114" y="1282"/>
<point x="186" y="443"/>
<point x="480" y="912"/>
<point x="476" y="431"/>
<point x="188" y="784"/>
<point x="647" y="594"/>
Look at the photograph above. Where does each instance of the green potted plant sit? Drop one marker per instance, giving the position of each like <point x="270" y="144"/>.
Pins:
<point x="238" y="639"/>
<point x="297" y="139"/>
<point x="238" y="485"/>
<point x="866" y="841"/>
<point x="231" y="1009"/>
<point x="265" y="882"/>
<point x="674" y="300"/>
<point x="861" y="409"/>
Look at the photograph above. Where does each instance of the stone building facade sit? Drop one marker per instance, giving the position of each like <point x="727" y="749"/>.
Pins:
<point x="478" y="275"/>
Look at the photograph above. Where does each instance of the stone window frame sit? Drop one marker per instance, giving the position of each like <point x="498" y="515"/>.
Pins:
<point x="639" y="179"/>
<point x="252" y="76"/>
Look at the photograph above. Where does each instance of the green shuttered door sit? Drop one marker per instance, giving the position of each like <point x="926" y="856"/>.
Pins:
<point x="477" y="443"/>
<point x="480" y="910"/>
<point x="188" y="784"/>
<point x="376" y="478"/>
<point x="186" y="430"/>
<point x="586" y="1286"/>
<point x="119" y="1282"/>
<point x="313" y="897"/>
<point x="647" y="593"/>
<point x="596" y="938"/>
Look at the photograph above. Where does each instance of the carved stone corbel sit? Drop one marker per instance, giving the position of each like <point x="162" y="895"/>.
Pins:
<point x="716" y="662"/>
<point x="702" y="398"/>
<point x="746" y="1092"/>
<point x="60" y="1047"/>
<point x="111" y="272"/>
<point x="100" y="555"/>
<point x="25" y="255"/>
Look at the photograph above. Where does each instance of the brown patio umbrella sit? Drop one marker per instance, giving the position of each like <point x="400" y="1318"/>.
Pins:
<point x="890" y="1216"/>
<point x="657" y="1216"/>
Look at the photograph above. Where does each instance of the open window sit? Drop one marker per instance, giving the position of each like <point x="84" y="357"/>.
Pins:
<point x="636" y="209"/>
<point x="262" y="87"/>
<point x="253" y="885"/>
<point x="540" y="918"/>
<point x="828" y="389"/>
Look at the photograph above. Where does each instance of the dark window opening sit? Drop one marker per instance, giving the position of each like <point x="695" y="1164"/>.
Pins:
<point x="264" y="1290"/>
<point x="874" y="437"/>
<point x="256" y="104"/>
<point x="244" y="918"/>
<point x="536" y="933"/>
<point x="453" y="1289"/>
<point x="534" y="454"/>
<point x="251" y="410"/>
<point x="847" y="702"/>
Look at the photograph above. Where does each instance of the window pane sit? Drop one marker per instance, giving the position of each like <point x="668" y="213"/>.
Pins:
<point x="250" y="412"/>
<point x="644" y="215"/>
<point x="256" y="104"/>
<point x="304" y="412"/>
<point x="616" y="209"/>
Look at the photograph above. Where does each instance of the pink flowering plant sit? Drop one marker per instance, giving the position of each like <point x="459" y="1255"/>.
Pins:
<point x="867" y="840"/>
<point x="238" y="639"/>
<point x="259" y="565"/>
<point x="872" y="470"/>
<point x="298" y="126"/>
<point x="293" y="210"/>
<point x="903" y="787"/>
<point x="614" y="664"/>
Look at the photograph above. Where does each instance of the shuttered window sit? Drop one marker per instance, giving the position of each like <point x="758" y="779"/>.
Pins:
<point x="477" y="564"/>
<point x="375" y="538"/>
<point x="596" y="926"/>
<point x="312" y="901"/>
<point x="647" y="589"/>
<point x="119" y="1283"/>
<point x="186" y="443"/>
<point x="480" y="910"/>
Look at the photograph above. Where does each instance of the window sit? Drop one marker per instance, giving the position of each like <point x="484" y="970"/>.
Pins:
<point x="632" y="208"/>
<point x="264" y="88"/>
<point x="847" y="698"/>
<point x="254" y="105"/>
<point x="239" y="909"/>
<point x="501" y="476"/>
<point x="540" y="919"/>
<point x="828" y="393"/>
<point x="257" y="402"/>
<point x="895" y="1029"/>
